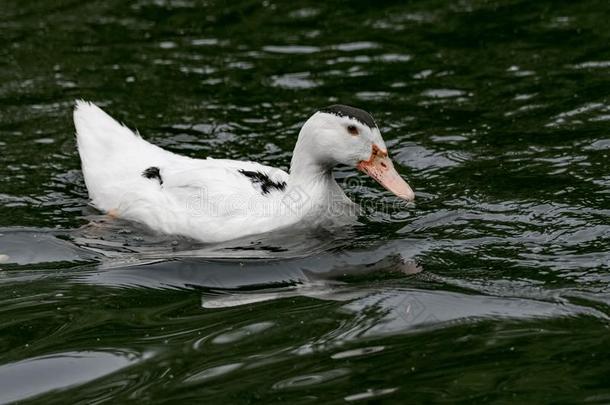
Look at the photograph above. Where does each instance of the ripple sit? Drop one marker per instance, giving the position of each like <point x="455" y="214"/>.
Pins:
<point x="205" y="42"/>
<point x="443" y="93"/>
<point x="242" y="333"/>
<point x="199" y="70"/>
<point x="601" y="144"/>
<point x="362" y="351"/>
<point x="394" y="57"/>
<point x="401" y="311"/>
<point x="573" y="116"/>
<point x="311" y="379"/>
<point x="521" y="97"/>
<point x="294" y="81"/>
<point x="524" y="109"/>
<point x="373" y="95"/>
<point x="167" y="45"/>
<point x="422" y="158"/>
<point x="39" y="375"/>
<point x="303" y="13"/>
<point x="24" y="246"/>
<point x="423" y="74"/>
<point x="518" y="72"/>
<point x="291" y="49"/>
<point x="212" y="372"/>
<point x="602" y="64"/>
<point x="450" y="139"/>
<point x="370" y="393"/>
<point x="355" y="46"/>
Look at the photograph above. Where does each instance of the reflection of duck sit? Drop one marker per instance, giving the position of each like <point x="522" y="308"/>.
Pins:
<point x="219" y="199"/>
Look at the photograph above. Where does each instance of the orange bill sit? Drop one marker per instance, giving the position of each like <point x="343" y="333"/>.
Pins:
<point x="380" y="167"/>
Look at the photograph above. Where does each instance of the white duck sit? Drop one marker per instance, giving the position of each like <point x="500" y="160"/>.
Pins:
<point x="214" y="200"/>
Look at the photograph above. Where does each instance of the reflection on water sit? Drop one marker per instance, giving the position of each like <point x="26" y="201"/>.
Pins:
<point x="59" y="371"/>
<point x="493" y="286"/>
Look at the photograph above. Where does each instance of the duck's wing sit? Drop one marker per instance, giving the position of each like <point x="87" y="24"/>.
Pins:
<point x="245" y="178"/>
<point x="225" y="186"/>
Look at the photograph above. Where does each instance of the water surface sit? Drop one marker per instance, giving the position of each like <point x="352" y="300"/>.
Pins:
<point x="493" y="287"/>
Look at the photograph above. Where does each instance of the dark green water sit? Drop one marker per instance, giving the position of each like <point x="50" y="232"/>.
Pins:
<point x="493" y="287"/>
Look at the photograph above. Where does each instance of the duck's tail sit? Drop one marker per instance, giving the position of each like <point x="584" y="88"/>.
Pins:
<point x="111" y="154"/>
<point x="98" y="135"/>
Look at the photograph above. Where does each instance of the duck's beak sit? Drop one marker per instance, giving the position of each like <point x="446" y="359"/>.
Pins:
<point x="380" y="167"/>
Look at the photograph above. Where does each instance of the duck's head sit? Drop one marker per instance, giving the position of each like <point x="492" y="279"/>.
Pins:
<point x="341" y="134"/>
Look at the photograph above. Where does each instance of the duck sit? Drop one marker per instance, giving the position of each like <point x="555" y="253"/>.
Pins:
<point x="215" y="200"/>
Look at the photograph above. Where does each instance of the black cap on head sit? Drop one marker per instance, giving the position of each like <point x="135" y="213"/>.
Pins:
<point x="351" y="112"/>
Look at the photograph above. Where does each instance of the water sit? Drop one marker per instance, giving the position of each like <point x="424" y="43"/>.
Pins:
<point x="493" y="287"/>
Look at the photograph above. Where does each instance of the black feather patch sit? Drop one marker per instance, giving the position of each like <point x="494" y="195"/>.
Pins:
<point x="153" y="173"/>
<point x="263" y="181"/>
<point x="351" y="112"/>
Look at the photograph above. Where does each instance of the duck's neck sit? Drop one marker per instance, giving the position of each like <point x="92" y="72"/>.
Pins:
<point x="306" y="165"/>
<point x="311" y="178"/>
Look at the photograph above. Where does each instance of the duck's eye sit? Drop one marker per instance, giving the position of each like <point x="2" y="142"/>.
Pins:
<point x="352" y="129"/>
